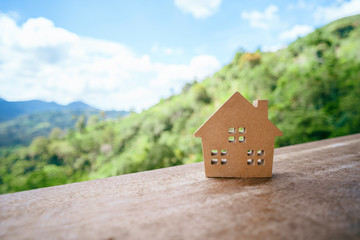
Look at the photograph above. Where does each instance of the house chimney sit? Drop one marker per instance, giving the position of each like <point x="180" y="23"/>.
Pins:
<point x="262" y="107"/>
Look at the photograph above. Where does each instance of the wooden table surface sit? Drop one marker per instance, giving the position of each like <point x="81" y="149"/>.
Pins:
<point x="314" y="194"/>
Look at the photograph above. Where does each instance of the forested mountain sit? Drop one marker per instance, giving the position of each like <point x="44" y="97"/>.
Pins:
<point x="22" y="121"/>
<point x="11" y="110"/>
<point x="313" y="88"/>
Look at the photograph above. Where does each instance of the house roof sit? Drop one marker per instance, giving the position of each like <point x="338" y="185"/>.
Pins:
<point x="238" y="100"/>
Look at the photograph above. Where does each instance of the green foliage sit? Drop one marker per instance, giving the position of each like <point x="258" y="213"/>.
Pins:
<point x="93" y="120"/>
<point x="201" y="94"/>
<point x="250" y="59"/>
<point x="313" y="89"/>
<point x="21" y="130"/>
<point x="80" y="123"/>
<point x="56" y="133"/>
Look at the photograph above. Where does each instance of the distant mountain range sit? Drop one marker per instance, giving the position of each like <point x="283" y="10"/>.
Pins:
<point x="11" y="110"/>
<point x="21" y="121"/>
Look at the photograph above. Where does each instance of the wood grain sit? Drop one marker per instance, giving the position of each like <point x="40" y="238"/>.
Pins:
<point x="314" y="194"/>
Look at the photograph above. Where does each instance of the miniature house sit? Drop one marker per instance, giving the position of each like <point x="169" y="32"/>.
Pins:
<point x="238" y="139"/>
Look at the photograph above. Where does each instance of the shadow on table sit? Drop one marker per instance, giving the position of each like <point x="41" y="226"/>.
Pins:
<point x="224" y="185"/>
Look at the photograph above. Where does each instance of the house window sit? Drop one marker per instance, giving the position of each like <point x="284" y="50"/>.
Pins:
<point x="250" y="162"/>
<point x="237" y="131"/>
<point x="255" y="159"/>
<point x="261" y="153"/>
<point x="250" y="152"/>
<point x="218" y="160"/>
<point x="260" y="161"/>
<point x="214" y="161"/>
<point x="241" y="130"/>
<point x="214" y="152"/>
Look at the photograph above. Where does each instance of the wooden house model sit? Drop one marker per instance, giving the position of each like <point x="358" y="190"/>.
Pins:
<point x="238" y="139"/>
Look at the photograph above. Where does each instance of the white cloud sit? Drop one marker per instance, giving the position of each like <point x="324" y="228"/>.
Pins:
<point x="296" y="31"/>
<point x="166" y="50"/>
<point x="176" y="75"/>
<point x="337" y="10"/>
<point x="169" y="51"/>
<point x="301" y="5"/>
<point x="198" y="8"/>
<point x="41" y="61"/>
<point x="273" y="48"/>
<point x="261" y="19"/>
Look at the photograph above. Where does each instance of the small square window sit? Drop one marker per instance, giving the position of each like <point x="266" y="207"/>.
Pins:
<point x="214" y="152"/>
<point x="241" y="139"/>
<point x="214" y="161"/>
<point x="232" y="130"/>
<point x="241" y="130"/>
<point x="231" y="139"/>
<point x="224" y="152"/>
<point x="250" y="152"/>
<point x="260" y="152"/>
<point x="261" y="161"/>
<point x="223" y="161"/>
<point x="250" y="162"/>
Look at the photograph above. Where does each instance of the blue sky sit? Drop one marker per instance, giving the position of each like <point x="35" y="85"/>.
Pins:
<point x="129" y="54"/>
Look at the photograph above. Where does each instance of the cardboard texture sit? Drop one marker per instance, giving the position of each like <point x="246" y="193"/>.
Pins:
<point x="238" y="139"/>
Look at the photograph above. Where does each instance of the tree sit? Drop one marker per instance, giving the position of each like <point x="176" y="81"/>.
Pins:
<point x="80" y="123"/>
<point x="93" y="120"/>
<point x="55" y="133"/>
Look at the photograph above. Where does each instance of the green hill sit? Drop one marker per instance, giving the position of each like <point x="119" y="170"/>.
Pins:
<point x="21" y="122"/>
<point x="313" y="87"/>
